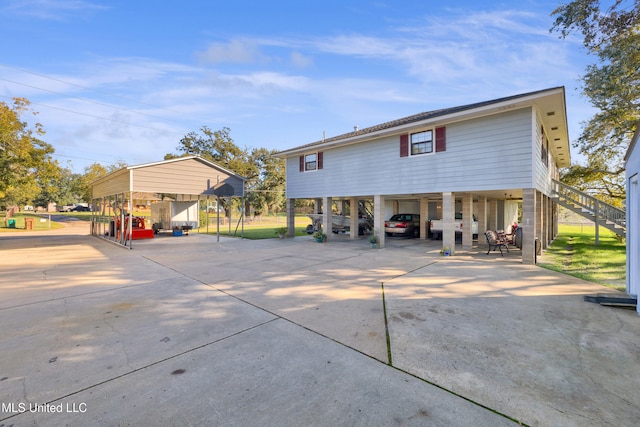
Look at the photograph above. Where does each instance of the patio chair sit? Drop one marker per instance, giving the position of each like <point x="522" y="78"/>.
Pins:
<point x="495" y="242"/>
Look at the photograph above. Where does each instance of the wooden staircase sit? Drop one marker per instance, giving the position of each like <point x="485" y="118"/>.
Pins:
<point x="601" y="213"/>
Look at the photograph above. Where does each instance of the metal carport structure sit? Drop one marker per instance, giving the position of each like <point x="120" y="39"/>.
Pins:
<point x="190" y="178"/>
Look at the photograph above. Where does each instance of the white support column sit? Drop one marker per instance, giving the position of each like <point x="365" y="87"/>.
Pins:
<point x="492" y="222"/>
<point x="482" y="217"/>
<point x="353" y="219"/>
<point x="467" y="221"/>
<point x="540" y="217"/>
<point x="378" y="219"/>
<point x="424" y="213"/>
<point x="448" y="218"/>
<point x="327" y="216"/>
<point x="528" y="225"/>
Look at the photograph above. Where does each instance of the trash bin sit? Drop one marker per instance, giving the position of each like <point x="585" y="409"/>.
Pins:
<point x="28" y="223"/>
<point x="11" y="223"/>
<point x="519" y="237"/>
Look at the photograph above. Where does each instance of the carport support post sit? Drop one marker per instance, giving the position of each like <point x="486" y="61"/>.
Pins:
<point x="528" y="225"/>
<point x="493" y="215"/>
<point x="467" y="221"/>
<point x="482" y="216"/>
<point x="424" y="213"/>
<point x="327" y="214"/>
<point x="291" y="217"/>
<point x="448" y="218"/>
<point x="378" y="219"/>
<point x="354" y="214"/>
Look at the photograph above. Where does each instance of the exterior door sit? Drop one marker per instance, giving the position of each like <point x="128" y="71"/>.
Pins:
<point x="633" y="236"/>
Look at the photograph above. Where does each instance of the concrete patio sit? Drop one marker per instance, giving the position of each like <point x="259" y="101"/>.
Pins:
<point x="190" y="331"/>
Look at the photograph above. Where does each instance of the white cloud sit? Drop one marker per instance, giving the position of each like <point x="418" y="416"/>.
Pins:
<point x="235" y="51"/>
<point x="301" y="61"/>
<point x="50" y="9"/>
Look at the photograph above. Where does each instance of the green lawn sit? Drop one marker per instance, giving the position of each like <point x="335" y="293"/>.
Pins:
<point x="264" y="229"/>
<point x="38" y="223"/>
<point x="574" y="252"/>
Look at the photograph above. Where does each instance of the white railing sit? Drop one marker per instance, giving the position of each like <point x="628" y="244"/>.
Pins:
<point x="592" y="208"/>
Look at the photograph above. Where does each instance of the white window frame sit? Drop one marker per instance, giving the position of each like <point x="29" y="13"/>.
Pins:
<point x="307" y="163"/>
<point x="416" y="143"/>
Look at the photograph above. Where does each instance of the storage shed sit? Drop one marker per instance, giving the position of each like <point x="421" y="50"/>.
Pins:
<point x="632" y="166"/>
<point x="185" y="179"/>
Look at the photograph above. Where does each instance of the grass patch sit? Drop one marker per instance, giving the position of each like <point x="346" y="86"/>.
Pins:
<point x="38" y="224"/>
<point x="265" y="228"/>
<point x="575" y="253"/>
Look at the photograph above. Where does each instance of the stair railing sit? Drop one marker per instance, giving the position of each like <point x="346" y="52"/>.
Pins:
<point x="591" y="207"/>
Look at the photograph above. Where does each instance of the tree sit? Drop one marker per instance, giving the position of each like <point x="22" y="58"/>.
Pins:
<point x="267" y="191"/>
<point x="218" y="146"/>
<point x="25" y="160"/>
<point x="264" y="172"/>
<point x="612" y="85"/>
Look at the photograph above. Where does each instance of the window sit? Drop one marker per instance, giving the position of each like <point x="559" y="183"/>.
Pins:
<point x="422" y="142"/>
<point x="544" y="155"/>
<point x="310" y="162"/>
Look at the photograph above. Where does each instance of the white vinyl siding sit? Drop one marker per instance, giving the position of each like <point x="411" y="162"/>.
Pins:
<point x="543" y="171"/>
<point x="489" y="153"/>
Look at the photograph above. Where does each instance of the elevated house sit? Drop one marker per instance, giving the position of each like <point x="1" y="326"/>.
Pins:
<point x="478" y="159"/>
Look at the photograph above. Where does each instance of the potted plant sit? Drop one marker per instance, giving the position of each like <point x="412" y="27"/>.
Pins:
<point x="373" y="240"/>
<point x="320" y="236"/>
<point x="446" y="251"/>
<point x="281" y="232"/>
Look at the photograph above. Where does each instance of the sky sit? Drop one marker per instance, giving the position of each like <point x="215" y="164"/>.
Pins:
<point x="123" y="81"/>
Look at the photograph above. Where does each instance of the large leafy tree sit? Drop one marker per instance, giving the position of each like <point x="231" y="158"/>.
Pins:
<point x="612" y="85"/>
<point x="218" y="146"/>
<point x="264" y="173"/>
<point x="267" y="190"/>
<point x="61" y="188"/>
<point x="25" y="160"/>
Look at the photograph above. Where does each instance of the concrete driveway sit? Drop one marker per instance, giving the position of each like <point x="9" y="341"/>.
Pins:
<point x="190" y="331"/>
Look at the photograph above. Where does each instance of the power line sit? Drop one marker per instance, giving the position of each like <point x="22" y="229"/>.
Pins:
<point x="82" y="99"/>
<point x="91" y="115"/>
<point x="85" y="87"/>
<point x="89" y="100"/>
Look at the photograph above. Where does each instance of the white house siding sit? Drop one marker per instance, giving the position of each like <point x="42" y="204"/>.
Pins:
<point x="543" y="172"/>
<point x="488" y="153"/>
